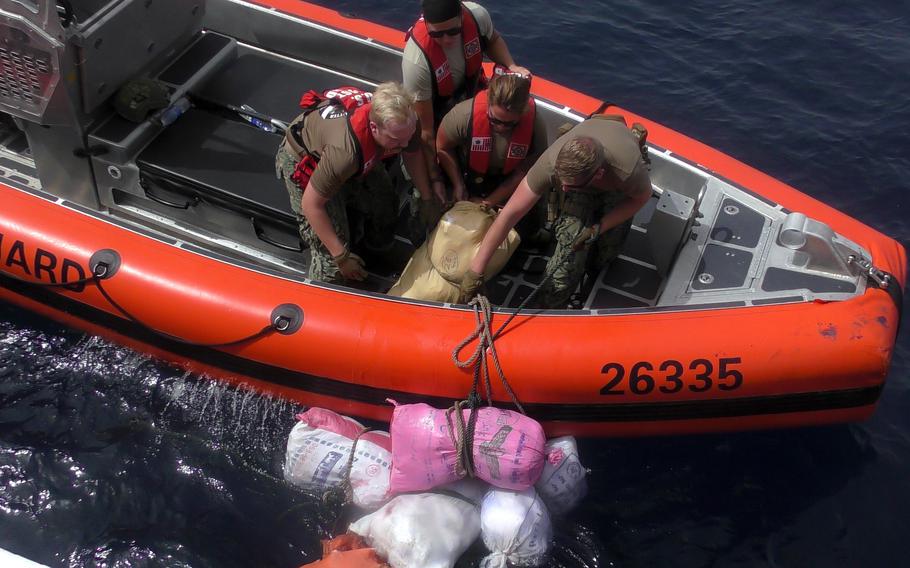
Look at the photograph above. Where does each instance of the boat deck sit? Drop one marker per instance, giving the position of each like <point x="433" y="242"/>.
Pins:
<point x="209" y="155"/>
<point x="209" y="180"/>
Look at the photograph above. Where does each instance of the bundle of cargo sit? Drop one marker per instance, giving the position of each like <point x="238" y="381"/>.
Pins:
<point x="437" y="267"/>
<point x="431" y="508"/>
<point x="319" y="457"/>
<point x="506" y="448"/>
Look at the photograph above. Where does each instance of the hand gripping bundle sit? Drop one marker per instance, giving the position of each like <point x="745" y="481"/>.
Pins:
<point x="437" y="267"/>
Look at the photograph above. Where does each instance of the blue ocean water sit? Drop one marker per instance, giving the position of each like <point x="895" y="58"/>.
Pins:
<point x="110" y="459"/>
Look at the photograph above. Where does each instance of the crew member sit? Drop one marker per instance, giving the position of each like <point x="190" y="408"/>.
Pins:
<point x="600" y="165"/>
<point x="441" y="66"/>
<point x="486" y="144"/>
<point x="332" y="164"/>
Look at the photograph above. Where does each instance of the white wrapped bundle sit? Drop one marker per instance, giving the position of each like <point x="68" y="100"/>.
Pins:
<point x="424" y="530"/>
<point x="516" y="528"/>
<point x="562" y="483"/>
<point x="318" y="451"/>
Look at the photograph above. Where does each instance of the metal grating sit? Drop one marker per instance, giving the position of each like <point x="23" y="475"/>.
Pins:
<point x="25" y="76"/>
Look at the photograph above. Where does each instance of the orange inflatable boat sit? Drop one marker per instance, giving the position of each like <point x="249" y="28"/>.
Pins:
<point x="738" y="302"/>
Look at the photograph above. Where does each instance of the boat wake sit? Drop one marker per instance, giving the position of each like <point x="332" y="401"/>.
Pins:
<point x="108" y="457"/>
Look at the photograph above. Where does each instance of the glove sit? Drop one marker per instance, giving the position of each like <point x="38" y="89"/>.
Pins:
<point x="430" y="212"/>
<point x="586" y="238"/>
<point x="470" y="284"/>
<point x="350" y="265"/>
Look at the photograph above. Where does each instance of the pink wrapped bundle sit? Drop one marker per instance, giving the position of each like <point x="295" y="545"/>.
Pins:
<point x="507" y="450"/>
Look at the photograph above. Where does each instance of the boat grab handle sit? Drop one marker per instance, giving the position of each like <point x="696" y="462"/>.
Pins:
<point x="193" y="201"/>
<point x="260" y="234"/>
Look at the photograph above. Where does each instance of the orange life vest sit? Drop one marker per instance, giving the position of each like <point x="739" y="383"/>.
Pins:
<point x="473" y="46"/>
<point x="482" y="138"/>
<point x="352" y="104"/>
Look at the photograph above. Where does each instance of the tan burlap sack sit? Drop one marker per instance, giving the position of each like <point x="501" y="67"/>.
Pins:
<point x="439" y="264"/>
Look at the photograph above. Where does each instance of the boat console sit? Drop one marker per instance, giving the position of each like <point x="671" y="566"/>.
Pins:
<point x="207" y="177"/>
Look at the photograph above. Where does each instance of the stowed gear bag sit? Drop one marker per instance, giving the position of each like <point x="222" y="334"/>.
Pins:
<point x="516" y="528"/>
<point x="507" y="448"/>
<point x="319" y="449"/>
<point x="139" y="97"/>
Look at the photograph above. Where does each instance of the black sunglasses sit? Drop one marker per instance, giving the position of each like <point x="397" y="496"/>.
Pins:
<point x="505" y="123"/>
<point x="448" y="32"/>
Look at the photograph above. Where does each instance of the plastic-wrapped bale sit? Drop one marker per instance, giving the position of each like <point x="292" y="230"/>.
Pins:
<point x="562" y="484"/>
<point x="436" y="268"/>
<point x="516" y="528"/>
<point x="507" y="450"/>
<point x="425" y="530"/>
<point x="318" y="451"/>
<point x="469" y="488"/>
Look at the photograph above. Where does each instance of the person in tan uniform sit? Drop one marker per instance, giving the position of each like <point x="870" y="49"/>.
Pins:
<point x="441" y="65"/>
<point x="486" y="144"/>
<point x="600" y="166"/>
<point x="332" y="163"/>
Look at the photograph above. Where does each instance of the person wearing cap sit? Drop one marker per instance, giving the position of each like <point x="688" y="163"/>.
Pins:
<point x="332" y="164"/>
<point x="441" y="66"/>
<point x="486" y="144"/>
<point x="599" y="164"/>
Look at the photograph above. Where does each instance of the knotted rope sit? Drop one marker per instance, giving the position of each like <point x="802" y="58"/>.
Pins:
<point x="463" y="440"/>
<point x="464" y="463"/>
<point x="486" y="343"/>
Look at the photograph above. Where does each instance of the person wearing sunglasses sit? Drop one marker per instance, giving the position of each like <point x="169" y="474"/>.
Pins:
<point x="441" y="66"/>
<point x="600" y="166"/>
<point x="485" y="145"/>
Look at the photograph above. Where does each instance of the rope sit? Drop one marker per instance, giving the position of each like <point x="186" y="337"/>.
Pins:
<point x="339" y="497"/>
<point x="98" y="276"/>
<point x="464" y="461"/>
<point x="346" y="473"/>
<point x="486" y="342"/>
<point x="265" y="331"/>
<point x="483" y="333"/>
<point x="100" y="270"/>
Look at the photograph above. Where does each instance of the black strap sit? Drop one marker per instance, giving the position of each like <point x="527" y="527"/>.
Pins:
<point x="603" y="106"/>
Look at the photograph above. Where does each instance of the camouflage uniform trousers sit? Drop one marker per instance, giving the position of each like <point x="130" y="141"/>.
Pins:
<point x="363" y="212"/>
<point x="580" y="210"/>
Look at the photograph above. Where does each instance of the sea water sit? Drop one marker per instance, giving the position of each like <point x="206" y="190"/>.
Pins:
<point x="108" y="458"/>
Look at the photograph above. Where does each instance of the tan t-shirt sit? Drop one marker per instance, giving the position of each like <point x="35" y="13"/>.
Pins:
<point x="457" y="126"/>
<point x="627" y="173"/>
<point x="415" y="70"/>
<point x="326" y="134"/>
